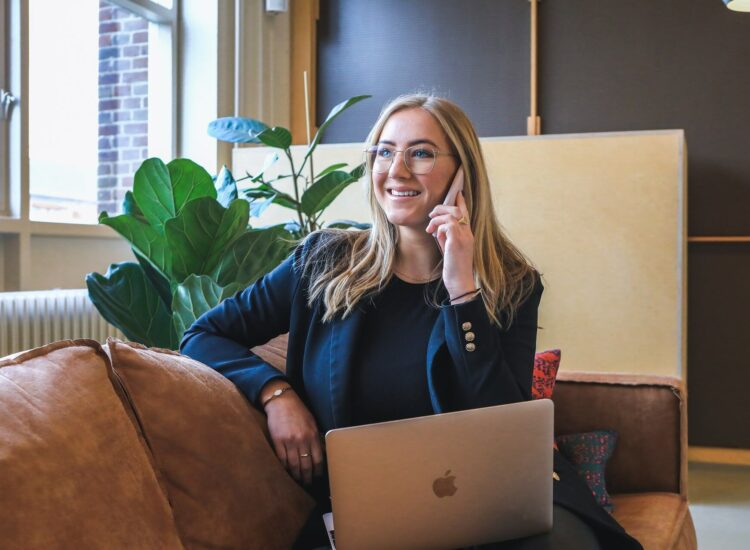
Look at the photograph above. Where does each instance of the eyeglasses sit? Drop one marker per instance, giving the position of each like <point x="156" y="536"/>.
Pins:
<point x="418" y="159"/>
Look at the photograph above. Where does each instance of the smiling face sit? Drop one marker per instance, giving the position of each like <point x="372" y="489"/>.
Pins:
<point x="408" y="198"/>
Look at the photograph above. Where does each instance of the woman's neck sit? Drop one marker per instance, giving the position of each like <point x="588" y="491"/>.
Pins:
<point x="417" y="255"/>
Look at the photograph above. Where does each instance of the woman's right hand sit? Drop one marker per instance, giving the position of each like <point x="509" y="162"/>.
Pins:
<point x="294" y="433"/>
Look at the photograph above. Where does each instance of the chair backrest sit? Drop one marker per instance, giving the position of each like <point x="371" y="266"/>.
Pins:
<point x="649" y="414"/>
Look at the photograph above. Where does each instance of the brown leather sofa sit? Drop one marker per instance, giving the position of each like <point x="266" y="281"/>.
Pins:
<point x="647" y="474"/>
<point x="127" y="447"/>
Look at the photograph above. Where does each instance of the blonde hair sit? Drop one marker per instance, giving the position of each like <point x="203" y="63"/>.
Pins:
<point x="346" y="266"/>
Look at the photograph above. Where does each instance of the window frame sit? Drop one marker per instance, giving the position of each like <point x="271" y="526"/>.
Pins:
<point x="266" y="59"/>
<point x="17" y="231"/>
<point x="4" y="124"/>
<point x="156" y="13"/>
<point x="14" y="145"/>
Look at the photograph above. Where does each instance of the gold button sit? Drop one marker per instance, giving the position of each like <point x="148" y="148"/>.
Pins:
<point x="555" y="476"/>
<point x="466" y="326"/>
<point x="470" y="336"/>
<point x="470" y="347"/>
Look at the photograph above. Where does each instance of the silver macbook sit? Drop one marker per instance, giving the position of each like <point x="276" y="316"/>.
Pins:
<point x="443" y="481"/>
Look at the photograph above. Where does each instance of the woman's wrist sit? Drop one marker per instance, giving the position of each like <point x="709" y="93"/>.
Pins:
<point x="465" y="296"/>
<point x="273" y="390"/>
<point x="457" y="291"/>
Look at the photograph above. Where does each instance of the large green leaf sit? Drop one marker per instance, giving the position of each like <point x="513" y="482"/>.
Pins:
<point x="129" y="206"/>
<point x="254" y="254"/>
<point x="161" y="192"/>
<point x="336" y="111"/>
<point x="125" y="298"/>
<point x="195" y="296"/>
<point x="266" y="191"/>
<point x="324" y="191"/>
<point x="236" y="129"/>
<point x="259" y="206"/>
<point x="160" y="283"/>
<point x="226" y="187"/>
<point x="199" y="236"/>
<point x="331" y="168"/>
<point x="270" y="160"/>
<point x="144" y="238"/>
<point x="277" y="137"/>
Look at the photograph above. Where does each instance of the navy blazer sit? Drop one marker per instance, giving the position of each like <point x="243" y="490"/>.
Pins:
<point x="320" y="356"/>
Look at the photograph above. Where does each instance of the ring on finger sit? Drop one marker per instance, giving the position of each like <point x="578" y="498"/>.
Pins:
<point x="463" y="221"/>
<point x="304" y="455"/>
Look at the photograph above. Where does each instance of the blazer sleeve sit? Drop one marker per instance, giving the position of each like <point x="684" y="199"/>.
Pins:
<point x="498" y="367"/>
<point x="222" y="337"/>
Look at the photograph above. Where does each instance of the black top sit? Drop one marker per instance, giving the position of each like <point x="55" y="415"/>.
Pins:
<point x="389" y="380"/>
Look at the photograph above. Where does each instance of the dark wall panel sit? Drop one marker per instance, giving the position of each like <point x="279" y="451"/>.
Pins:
<point x="644" y="65"/>
<point x="719" y="368"/>
<point x="472" y="51"/>
<point x="605" y="65"/>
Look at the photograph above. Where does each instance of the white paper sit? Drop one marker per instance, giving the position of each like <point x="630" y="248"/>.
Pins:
<point x="328" y="520"/>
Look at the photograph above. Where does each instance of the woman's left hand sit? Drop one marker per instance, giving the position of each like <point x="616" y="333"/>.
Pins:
<point x="456" y="241"/>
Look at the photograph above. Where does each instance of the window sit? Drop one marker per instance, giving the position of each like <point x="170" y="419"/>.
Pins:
<point x="101" y="100"/>
<point x="6" y="104"/>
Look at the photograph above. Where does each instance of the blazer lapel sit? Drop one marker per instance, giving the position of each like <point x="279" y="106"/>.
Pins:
<point x="344" y="337"/>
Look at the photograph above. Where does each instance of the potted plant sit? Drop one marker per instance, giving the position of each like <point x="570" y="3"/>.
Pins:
<point x="191" y="236"/>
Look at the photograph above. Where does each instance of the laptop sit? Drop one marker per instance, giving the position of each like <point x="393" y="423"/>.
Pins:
<point x="442" y="481"/>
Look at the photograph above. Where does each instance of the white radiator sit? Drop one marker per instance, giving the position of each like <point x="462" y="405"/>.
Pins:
<point x="32" y="319"/>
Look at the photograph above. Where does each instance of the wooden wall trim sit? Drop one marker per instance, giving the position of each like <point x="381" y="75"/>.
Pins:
<point x="719" y="455"/>
<point x="304" y="15"/>
<point x="722" y="239"/>
<point x="534" y="121"/>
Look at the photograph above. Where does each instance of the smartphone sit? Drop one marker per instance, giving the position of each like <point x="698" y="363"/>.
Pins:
<point x="457" y="185"/>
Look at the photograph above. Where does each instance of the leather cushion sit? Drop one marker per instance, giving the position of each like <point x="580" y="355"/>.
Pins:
<point x="656" y="520"/>
<point x="226" y="485"/>
<point x="632" y="410"/>
<point x="74" y="471"/>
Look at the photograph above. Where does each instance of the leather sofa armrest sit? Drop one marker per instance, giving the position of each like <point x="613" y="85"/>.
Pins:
<point x="648" y="412"/>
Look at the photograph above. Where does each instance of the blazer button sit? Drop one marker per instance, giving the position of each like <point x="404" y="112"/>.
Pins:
<point x="469" y="336"/>
<point x="466" y="326"/>
<point x="555" y="476"/>
<point x="470" y="347"/>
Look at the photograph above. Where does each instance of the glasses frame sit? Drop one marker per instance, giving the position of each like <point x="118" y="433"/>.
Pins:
<point x="435" y="151"/>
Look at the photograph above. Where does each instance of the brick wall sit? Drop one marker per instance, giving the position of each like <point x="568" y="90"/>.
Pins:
<point x="123" y="102"/>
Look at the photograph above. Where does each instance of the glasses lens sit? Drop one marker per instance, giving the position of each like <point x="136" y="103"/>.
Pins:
<point x="379" y="158"/>
<point x="420" y="159"/>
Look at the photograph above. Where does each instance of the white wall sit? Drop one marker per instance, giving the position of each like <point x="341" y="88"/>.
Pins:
<point x="63" y="262"/>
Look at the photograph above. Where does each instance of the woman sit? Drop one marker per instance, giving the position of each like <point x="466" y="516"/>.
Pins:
<point x="447" y="302"/>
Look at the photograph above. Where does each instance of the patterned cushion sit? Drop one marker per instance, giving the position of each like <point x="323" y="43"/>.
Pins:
<point x="589" y="453"/>
<point x="546" y="364"/>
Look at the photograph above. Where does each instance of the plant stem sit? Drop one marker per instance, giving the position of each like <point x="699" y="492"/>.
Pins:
<point x="312" y="173"/>
<point x="296" y="189"/>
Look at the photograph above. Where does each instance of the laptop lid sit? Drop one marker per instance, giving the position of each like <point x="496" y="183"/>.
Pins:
<point x="443" y="481"/>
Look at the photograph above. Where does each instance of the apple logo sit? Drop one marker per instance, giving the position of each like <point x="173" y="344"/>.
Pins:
<point x="444" y="486"/>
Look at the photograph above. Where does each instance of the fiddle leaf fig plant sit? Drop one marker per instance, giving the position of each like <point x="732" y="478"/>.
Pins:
<point x="191" y="237"/>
